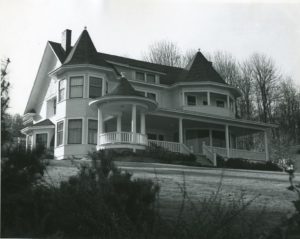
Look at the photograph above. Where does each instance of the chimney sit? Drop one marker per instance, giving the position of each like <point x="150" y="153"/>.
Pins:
<point x="66" y="40"/>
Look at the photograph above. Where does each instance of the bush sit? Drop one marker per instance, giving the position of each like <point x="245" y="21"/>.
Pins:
<point x="20" y="171"/>
<point x="239" y="163"/>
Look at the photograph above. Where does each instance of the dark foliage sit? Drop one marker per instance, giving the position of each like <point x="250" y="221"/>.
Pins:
<point x="100" y="201"/>
<point x="20" y="171"/>
<point x="239" y="163"/>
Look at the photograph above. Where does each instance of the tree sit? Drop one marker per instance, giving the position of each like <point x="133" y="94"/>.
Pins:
<point x="265" y="78"/>
<point x="4" y="99"/>
<point x="164" y="53"/>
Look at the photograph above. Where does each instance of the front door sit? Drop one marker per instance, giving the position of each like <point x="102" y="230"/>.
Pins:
<point x="195" y="139"/>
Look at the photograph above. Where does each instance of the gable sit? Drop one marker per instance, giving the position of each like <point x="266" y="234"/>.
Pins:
<point x="40" y="86"/>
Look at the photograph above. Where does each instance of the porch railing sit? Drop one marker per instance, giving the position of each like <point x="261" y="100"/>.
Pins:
<point x="123" y="138"/>
<point x="235" y="153"/>
<point x="171" y="146"/>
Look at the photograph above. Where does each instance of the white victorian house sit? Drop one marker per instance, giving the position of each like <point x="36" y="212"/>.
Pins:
<point x="83" y="100"/>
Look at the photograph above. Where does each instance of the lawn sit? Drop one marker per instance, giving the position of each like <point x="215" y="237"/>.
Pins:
<point x="268" y="190"/>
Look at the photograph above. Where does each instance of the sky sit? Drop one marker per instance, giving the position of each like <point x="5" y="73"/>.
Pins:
<point x="128" y="27"/>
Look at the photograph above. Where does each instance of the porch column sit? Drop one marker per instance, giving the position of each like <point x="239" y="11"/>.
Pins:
<point x="208" y="98"/>
<point x="100" y="125"/>
<point x="48" y="140"/>
<point x="266" y="145"/>
<point x="119" y="127"/>
<point x="228" y="102"/>
<point x="143" y="123"/>
<point x="26" y="142"/>
<point x="133" y="124"/>
<point x="227" y="140"/>
<point x="180" y="131"/>
<point x="210" y="138"/>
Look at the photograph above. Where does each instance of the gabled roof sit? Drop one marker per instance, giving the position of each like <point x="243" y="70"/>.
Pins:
<point x="45" y="122"/>
<point x="84" y="52"/>
<point x="58" y="50"/>
<point x="124" y="88"/>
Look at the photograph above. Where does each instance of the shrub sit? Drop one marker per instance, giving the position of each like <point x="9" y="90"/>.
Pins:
<point x="239" y="163"/>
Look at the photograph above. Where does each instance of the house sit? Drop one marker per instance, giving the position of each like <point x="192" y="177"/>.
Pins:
<point x="83" y="100"/>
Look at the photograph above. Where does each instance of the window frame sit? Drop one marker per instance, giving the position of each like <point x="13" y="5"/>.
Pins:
<point x="60" y="132"/>
<point x="36" y="139"/>
<point x="150" y="74"/>
<point x="188" y="102"/>
<point x="141" y="73"/>
<point x="76" y="86"/>
<point x="81" y="129"/>
<point x="62" y="97"/>
<point x="95" y="86"/>
<point x="88" y="131"/>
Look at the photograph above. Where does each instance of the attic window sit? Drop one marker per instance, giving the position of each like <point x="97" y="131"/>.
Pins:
<point x="139" y="76"/>
<point x="151" y="78"/>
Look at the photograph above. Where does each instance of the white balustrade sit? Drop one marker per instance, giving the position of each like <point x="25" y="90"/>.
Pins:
<point x="235" y="153"/>
<point x="123" y="138"/>
<point x="171" y="146"/>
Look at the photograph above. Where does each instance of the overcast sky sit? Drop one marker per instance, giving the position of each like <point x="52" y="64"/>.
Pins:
<point x="128" y="27"/>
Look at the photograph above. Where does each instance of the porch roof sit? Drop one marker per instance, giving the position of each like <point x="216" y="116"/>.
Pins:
<point x="198" y="116"/>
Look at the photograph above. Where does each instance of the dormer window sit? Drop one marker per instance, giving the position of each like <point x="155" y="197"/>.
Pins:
<point x="150" y="78"/>
<point x="191" y="100"/>
<point x="140" y="76"/>
<point x="76" y="87"/>
<point x="95" y="87"/>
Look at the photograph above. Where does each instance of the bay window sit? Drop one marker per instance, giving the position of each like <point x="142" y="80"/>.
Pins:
<point x="95" y="87"/>
<point x="75" y="131"/>
<point x="92" y="131"/>
<point x="76" y="87"/>
<point x="59" y="133"/>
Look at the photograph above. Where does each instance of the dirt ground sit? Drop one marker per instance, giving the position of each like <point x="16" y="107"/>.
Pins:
<point x="268" y="190"/>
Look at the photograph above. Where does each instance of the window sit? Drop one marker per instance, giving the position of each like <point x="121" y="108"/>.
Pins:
<point x="204" y="102"/>
<point x="59" y="133"/>
<point x="220" y="103"/>
<point x="161" y="137"/>
<point x="54" y="106"/>
<point x="191" y="100"/>
<point x="151" y="136"/>
<point x="151" y="96"/>
<point x="41" y="140"/>
<point x="76" y="87"/>
<point x="151" y="78"/>
<point x="62" y="90"/>
<point x="95" y="88"/>
<point x="92" y="132"/>
<point x="75" y="131"/>
<point x="139" y="76"/>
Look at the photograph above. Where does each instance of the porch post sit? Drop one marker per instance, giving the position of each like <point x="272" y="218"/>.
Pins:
<point x="119" y="127"/>
<point x="208" y="98"/>
<point x="210" y="138"/>
<point x="227" y="140"/>
<point x="100" y="125"/>
<point x="266" y="145"/>
<point x="143" y="123"/>
<point x="133" y="124"/>
<point x="26" y="142"/>
<point x="48" y="140"/>
<point x="228" y="102"/>
<point x="180" y="131"/>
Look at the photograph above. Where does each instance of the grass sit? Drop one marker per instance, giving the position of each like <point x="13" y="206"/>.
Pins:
<point x="268" y="188"/>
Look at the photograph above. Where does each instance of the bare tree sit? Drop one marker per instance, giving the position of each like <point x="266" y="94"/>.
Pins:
<point x="164" y="53"/>
<point x="4" y="99"/>
<point x="265" y="77"/>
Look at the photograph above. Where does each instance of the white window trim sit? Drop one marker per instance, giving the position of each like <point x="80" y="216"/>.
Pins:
<point x="104" y="80"/>
<point x="66" y="89"/>
<point x="83" y="86"/>
<point x="82" y="129"/>
<point x="55" y="134"/>
<point x="156" y="77"/>
<point x="87" y="129"/>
